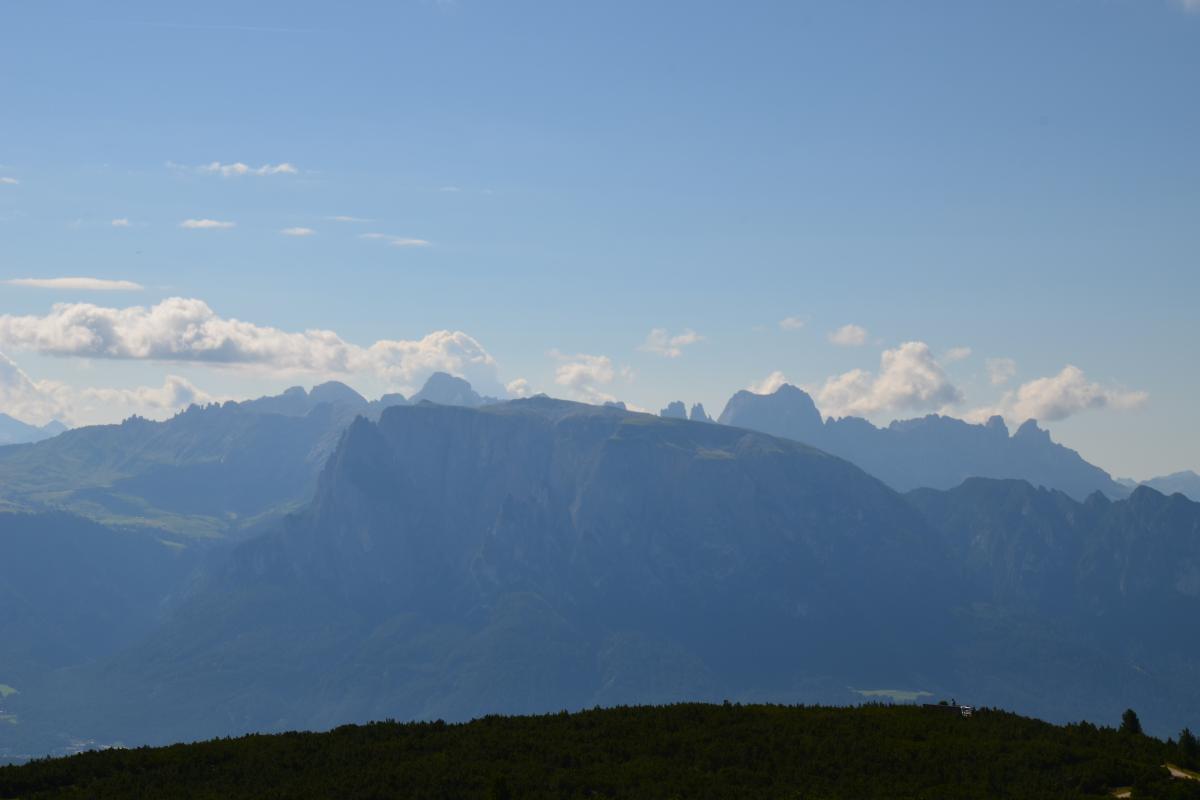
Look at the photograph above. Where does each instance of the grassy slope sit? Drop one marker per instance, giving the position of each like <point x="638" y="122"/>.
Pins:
<point x="692" y="751"/>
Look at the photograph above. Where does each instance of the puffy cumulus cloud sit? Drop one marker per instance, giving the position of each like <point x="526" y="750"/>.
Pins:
<point x="910" y="379"/>
<point x="406" y="363"/>
<point x="187" y="330"/>
<point x="769" y="384"/>
<point x="207" y="224"/>
<point x="1001" y="370"/>
<point x="38" y="402"/>
<point x="297" y="231"/>
<point x="121" y="222"/>
<point x="955" y="354"/>
<point x="518" y="388"/>
<point x="237" y="169"/>
<point x="1065" y="394"/>
<point x="20" y="397"/>
<point x="586" y="377"/>
<point x="661" y="343"/>
<point x="792" y="323"/>
<point x="175" y="394"/>
<point x="849" y="336"/>
<point x="77" y="284"/>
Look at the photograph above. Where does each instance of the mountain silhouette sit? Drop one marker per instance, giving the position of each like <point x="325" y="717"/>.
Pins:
<point x="1186" y="483"/>
<point x="13" y="431"/>
<point x="216" y="470"/>
<point x="933" y="451"/>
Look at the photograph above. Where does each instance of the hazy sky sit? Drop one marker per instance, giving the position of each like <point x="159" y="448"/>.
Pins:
<point x="960" y="207"/>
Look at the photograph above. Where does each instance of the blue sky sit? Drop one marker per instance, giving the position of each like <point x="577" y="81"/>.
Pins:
<point x="618" y="199"/>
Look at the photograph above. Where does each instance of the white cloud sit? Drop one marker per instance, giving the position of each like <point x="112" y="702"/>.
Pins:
<point x="344" y="218"/>
<point x="769" y="384"/>
<point x="792" y="323"/>
<point x="297" y="231"/>
<point x="659" y="342"/>
<point x="238" y="169"/>
<point x="187" y="330"/>
<point x="77" y="284"/>
<point x="1065" y="394"/>
<point x="450" y="189"/>
<point x="121" y="222"/>
<point x="7" y="181"/>
<point x="38" y="402"/>
<point x="1189" y="5"/>
<point x="1001" y="370"/>
<point x="206" y="224"/>
<point x="396" y="241"/>
<point x="519" y="388"/>
<point x="909" y="379"/>
<point x="585" y="376"/>
<point x="955" y="354"/>
<point x="849" y="336"/>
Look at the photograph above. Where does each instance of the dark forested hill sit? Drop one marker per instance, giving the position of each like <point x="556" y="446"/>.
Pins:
<point x="693" y="751"/>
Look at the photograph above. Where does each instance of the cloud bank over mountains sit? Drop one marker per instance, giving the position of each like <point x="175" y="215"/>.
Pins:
<point x="911" y="379"/>
<point x="1057" y="397"/>
<point x="187" y="331"/>
<point x="39" y="402"/>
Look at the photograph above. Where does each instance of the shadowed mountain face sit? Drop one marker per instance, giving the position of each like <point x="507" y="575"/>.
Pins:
<point x="1079" y="609"/>
<point x="71" y="591"/>
<point x="539" y="555"/>
<point x="934" y="451"/>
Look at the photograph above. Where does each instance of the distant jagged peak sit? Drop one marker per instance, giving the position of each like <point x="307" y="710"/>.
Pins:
<point x="448" y="390"/>
<point x="674" y="410"/>
<point x="1030" y="432"/>
<point x="788" y="412"/>
<point x="295" y="401"/>
<point x="335" y="392"/>
<point x="996" y="424"/>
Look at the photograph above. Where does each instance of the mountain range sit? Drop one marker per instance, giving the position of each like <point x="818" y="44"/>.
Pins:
<point x="313" y="558"/>
<point x="234" y="469"/>
<point x="13" y="431"/>
<point x="934" y="451"/>
<point x="1186" y="483"/>
<point x="540" y="554"/>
